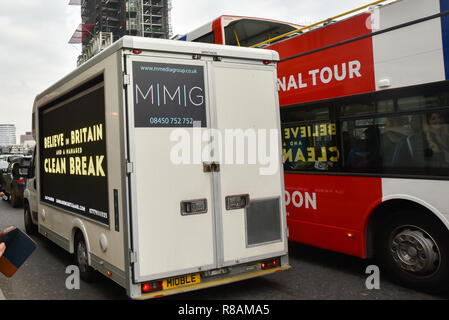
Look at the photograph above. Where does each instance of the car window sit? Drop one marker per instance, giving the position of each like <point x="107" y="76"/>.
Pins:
<point x="3" y="165"/>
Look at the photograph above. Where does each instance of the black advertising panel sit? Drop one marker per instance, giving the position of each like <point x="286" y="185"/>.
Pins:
<point x="73" y="161"/>
<point x="169" y="95"/>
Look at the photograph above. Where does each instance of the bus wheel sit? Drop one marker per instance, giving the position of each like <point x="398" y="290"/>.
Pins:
<point x="87" y="273"/>
<point x="414" y="249"/>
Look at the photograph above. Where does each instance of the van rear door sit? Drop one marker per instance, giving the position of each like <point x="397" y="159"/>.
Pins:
<point x="172" y="214"/>
<point x="192" y="209"/>
<point x="252" y="220"/>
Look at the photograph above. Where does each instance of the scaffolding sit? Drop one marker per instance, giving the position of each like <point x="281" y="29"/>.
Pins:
<point x="150" y="18"/>
<point x="97" y="44"/>
<point x="144" y="18"/>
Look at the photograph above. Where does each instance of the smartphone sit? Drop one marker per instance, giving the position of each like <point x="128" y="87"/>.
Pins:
<point x="19" y="246"/>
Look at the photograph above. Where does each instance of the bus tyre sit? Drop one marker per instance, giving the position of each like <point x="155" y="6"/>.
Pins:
<point x="30" y="227"/>
<point x="87" y="273"/>
<point x="414" y="249"/>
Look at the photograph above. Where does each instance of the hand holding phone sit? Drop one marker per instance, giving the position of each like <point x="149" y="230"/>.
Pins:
<point x="2" y="249"/>
<point x="2" y="245"/>
<point x="17" y="248"/>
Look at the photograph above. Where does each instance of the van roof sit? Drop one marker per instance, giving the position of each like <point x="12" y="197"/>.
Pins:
<point x="169" y="46"/>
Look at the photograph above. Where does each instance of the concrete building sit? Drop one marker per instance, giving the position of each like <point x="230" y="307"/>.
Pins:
<point x="7" y="134"/>
<point x="28" y="136"/>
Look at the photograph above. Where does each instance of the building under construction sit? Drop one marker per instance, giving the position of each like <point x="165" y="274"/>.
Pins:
<point x="105" y="21"/>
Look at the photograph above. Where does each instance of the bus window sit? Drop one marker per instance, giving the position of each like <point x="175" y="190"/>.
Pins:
<point x="239" y="31"/>
<point x="247" y="32"/>
<point x="207" y="38"/>
<point x="313" y="113"/>
<point x="310" y="147"/>
<point x="367" y="135"/>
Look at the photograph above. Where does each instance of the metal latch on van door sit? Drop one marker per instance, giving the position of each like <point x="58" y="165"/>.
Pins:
<point x="132" y="257"/>
<point x="192" y="207"/>
<point x="211" y="167"/>
<point x="126" y="79"/>
<point x="129" y="168"/>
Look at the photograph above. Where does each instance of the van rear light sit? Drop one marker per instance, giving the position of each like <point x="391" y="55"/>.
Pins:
<point x="148" y="287"/>
<point x="137" y="51"/>
<point x="270" y="264"/>
<point x="237" y="202"/>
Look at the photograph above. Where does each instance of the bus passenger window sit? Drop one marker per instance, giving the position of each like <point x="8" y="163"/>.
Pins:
<point x="416" y="143"/>
<point x="310" y="147"/>
<point x="363" y="145"/>
<point x="395" y="129"/>
<point x="314" y="113"/>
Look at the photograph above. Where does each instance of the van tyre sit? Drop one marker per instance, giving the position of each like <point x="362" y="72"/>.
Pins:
<point x="413" y="248"/>
<point x="14" y="201"/>
<point x="30" y="227"/>
<point x="87" y="273"/>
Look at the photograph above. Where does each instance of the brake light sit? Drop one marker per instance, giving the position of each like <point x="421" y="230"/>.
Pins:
<point x="20" y="181"/>
<point x="148" y="287"/>
<point x="270" y="264"/>
<point x="137" y="51"/>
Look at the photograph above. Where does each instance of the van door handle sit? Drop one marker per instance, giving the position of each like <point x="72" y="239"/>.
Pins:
<point x="193" y="207"/>
<point x="211" y="167"/>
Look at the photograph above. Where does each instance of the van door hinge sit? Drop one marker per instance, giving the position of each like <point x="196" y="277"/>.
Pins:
<point x="126" y="79"/>
<point x="133" y="257"/>
<point x="129" y="168"/>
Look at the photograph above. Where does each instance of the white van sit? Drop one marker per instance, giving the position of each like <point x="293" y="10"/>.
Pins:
<point x="127" y="177"/>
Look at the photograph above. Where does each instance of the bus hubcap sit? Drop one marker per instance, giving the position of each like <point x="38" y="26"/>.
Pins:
<point x="415" y="251"/>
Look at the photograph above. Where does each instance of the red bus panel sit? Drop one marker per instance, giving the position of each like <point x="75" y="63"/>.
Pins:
<point x="331" y="212"/>
<point x="338" y="71"/>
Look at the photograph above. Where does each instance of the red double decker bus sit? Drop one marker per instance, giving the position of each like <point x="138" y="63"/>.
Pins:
<point x="365" y="120"/>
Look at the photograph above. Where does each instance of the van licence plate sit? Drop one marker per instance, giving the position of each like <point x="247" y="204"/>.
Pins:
<point x="181" y="281"/>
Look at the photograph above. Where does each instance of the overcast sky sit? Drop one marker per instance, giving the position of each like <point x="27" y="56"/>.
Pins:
<point x="34" y="37"/>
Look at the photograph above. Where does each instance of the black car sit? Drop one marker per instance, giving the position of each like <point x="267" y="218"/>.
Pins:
<point x="5" y="161"/>
<point x="4" y="164"/>
<point x="13" y="183"/>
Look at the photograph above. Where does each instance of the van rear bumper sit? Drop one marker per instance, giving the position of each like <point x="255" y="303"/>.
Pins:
<point x="213" y="282"/>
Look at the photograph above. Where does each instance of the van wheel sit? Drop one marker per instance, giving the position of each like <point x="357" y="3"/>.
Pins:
<point x="30" y="227"/>
<point x="14" y="201"/>
<point x="414" y="249"/>
<point x="87" y="273"/>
